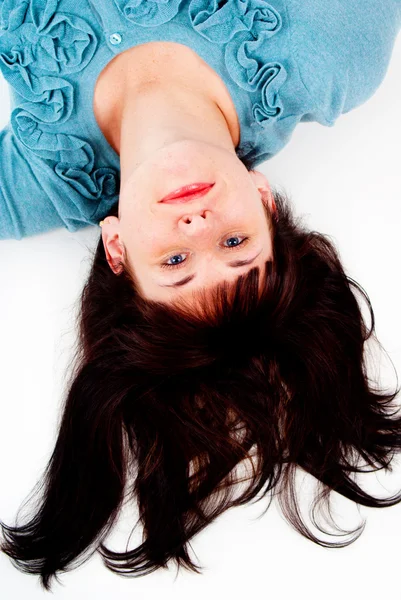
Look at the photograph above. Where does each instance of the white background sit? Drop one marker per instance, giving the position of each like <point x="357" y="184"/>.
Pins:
<point x="346" y="182"/>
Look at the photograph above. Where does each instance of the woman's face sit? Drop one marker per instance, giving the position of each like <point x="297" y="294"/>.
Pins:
<point x="200" y="237"/>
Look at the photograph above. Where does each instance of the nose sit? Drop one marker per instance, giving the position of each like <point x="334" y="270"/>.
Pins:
<point x="196" y="222"/>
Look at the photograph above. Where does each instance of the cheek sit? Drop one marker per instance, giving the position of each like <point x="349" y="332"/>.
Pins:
<point x="145" y="233"/>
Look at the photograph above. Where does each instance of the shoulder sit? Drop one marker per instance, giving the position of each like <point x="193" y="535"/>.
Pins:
<point x="343" y="48"/>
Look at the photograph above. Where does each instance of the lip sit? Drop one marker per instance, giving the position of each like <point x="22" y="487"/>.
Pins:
<point x="187" y="193"/>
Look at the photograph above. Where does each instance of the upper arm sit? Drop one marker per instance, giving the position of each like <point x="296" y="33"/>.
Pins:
<point x="343" y="49"/>
<point x="25" y="208"/>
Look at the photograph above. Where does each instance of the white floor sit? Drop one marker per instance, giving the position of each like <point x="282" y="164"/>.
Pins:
<point x="346" y="182"/>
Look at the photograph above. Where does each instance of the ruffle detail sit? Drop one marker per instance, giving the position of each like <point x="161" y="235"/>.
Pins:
<point x="34" y="36"/>
<point x="219" y="21"/>
<point x="265" y="79"/>
<point x="245" y="26"/>
<point x="74" y="158"/>
<point x="148" y="13"/>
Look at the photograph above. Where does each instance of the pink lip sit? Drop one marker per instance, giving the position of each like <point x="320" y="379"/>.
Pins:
<point x="188" y="192"/>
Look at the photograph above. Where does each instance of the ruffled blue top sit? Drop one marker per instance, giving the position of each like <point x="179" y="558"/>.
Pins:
<point x="283" y="62"/>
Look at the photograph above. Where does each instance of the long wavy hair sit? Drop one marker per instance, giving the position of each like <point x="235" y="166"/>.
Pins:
<point x="165" y="402"/>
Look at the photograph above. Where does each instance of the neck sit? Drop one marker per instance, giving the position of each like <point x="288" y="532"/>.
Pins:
<point x="161" y="112"/>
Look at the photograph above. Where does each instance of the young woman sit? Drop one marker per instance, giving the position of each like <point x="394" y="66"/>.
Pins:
<point x="214" y="328"/>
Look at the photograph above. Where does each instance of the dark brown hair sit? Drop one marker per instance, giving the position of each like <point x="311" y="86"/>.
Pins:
<point x="164" y="404"/>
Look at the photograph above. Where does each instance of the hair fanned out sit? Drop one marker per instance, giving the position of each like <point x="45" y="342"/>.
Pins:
<point x="165" y="402"/>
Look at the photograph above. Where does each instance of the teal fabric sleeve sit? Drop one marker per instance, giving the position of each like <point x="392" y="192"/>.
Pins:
<point x="25" y="208"/>
<point x="343" y="51"/>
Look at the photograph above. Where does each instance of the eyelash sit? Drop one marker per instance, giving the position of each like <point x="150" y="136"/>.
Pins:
<point x="178" y="265"/>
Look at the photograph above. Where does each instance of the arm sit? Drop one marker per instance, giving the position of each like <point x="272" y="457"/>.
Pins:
<point x="25" y="208"/>
<point x="343" y="49"/>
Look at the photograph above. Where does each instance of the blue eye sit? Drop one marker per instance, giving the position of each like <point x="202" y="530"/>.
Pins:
<point x="179" y="264"/>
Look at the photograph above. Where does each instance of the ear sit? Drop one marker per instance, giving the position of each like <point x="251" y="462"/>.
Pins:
<point x="113" y="246"/>
<point x="263" y="186"/>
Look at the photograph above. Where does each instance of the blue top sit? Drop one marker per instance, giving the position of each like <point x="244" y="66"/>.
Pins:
<point x="283" y="62"/>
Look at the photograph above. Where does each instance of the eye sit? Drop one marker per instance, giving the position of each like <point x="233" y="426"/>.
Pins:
<point x="167" y="265"/>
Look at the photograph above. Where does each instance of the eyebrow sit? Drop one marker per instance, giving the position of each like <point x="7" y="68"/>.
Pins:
<point x="188" y="278"/>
